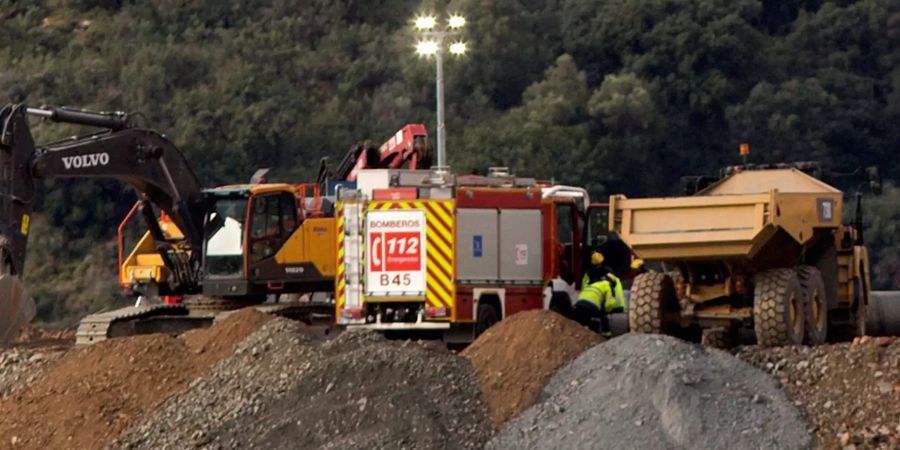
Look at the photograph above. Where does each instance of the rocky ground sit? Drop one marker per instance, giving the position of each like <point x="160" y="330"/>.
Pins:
<point x="20" y="367"/>
<point x="649" y="391"/>
<point x="90" y="394"/>
<point x="850" y="392"/>
<point x="283" y="389"/>
<point x="536" y="380"/>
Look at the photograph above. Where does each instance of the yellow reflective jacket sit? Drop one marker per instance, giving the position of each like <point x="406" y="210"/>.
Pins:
<point x="602" y="293"/>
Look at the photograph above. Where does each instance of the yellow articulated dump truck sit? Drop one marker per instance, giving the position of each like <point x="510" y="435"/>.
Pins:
<point x="763" y="247"/>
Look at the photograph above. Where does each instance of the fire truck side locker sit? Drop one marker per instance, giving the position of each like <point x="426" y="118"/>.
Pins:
<point x="478" y="244"/>
<point x="521" y="238"/>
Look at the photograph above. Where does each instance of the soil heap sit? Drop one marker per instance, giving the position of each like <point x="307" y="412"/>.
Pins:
<point x="283" y="389"/>
<point x="91" y="394"/>
<point x="515" y="358"/>
<point x="19" y="367"/>
<point x="651" y="391"/>
<point x="32" y="335"/>
<point x="850" y="392"/>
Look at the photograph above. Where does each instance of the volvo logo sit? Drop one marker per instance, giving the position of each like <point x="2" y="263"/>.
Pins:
<point x="91" y="160"/>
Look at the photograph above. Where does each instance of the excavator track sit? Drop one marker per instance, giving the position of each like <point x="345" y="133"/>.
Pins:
<point x="176" y="319"/>
<point x="102" y="326"/>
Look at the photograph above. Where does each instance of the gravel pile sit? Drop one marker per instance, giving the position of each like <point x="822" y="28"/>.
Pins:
<point x="850" y="392"/>
<point x="284" y="389"/>
<point x="20" y="367"/>
<point x="515" y="358"/>
<point x="91" y="394"/>
<point x="650" y="391"/>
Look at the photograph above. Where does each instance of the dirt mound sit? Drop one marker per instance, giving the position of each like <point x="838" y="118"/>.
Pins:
<point x="220" y="340"/>
<point x="93" y="393"/>
<point x="19" y="367"/>
<point x="651" y="391"/>
<point x="850" y="392"/>
<point x="358" y="391"/>
<point x="514" y="359"/>
<point x="30" y="334"/>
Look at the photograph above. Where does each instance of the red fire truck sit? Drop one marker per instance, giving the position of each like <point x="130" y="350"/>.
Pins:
<point x="430" y="251"/>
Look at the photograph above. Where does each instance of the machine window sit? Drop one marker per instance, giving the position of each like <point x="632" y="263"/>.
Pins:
<point x="225" y="246"/>
<point x="258" y="221"/>
<point x="274" y="219"/>
<point x="598" y="225"/>
<point x="564" y="225"/>
<point x="273" y="216"/>
<point x="565" y="228"/>
<point x="288" y="214"/>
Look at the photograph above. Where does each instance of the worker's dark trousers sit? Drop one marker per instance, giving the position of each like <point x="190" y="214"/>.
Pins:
<point x="587" y="314"/>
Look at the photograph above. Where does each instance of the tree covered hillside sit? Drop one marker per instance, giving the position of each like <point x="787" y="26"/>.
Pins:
<point x="617" y="95"/>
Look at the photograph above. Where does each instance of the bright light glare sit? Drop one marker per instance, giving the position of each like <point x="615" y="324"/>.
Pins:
<point x="456" y="21"/>
<point x="427" y="48"/>
<point x="458" y="48"/>
<point x="425" y="22"/>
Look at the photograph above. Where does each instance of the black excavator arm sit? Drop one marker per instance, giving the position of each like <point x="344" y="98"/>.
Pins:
<point x="141" y="158"/>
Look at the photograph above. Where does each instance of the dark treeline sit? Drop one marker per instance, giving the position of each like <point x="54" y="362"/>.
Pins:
<point x="616" y="95"/>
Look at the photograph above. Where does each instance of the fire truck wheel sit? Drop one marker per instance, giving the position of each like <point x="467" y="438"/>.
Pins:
<point x="816" y="308"/>
<point x="652" y="299"/>
<point x="778" y="308"/>
<point x="487" y="317"/>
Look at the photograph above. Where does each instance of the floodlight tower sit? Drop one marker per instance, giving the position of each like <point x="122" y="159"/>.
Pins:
<point x="432" y="42"/>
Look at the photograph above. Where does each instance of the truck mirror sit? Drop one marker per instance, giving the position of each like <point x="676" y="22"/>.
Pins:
<point x="873" y="173"/>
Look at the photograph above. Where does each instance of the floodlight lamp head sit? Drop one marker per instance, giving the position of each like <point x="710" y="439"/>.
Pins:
<point x="456" y="21"/>
<point x="425" y="22"/>
<point x="426" y="48"/>
<point x="458" y="48"/>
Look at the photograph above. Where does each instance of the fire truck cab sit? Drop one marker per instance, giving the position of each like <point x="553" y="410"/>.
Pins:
<point x="434" y="252"/>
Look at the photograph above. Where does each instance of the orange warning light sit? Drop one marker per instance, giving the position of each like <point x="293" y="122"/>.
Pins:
<point x="745" y="149"/>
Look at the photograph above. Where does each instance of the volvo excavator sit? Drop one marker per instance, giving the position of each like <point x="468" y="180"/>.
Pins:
<point x="207" y="250"/>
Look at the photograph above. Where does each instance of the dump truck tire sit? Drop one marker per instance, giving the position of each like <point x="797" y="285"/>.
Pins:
<point x="652" y="297"/>
<point x="815" y="309"/>
<point x="778" y="308"/>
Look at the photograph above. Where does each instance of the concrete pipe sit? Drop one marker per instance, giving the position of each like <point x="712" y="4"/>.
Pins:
<point x="883" y="313"/>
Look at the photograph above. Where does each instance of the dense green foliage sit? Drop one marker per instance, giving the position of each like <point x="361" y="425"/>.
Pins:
<point x="617" y="95"/>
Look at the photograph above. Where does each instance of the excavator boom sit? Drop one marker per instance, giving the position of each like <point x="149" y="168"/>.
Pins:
<point x="141" y="158"/>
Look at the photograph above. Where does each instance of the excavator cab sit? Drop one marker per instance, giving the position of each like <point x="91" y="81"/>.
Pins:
<point x="257" y="239"/>
<point x="260" y="240"/>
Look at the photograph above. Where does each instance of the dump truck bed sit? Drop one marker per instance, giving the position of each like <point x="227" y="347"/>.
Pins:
<point x="735" y="218"/>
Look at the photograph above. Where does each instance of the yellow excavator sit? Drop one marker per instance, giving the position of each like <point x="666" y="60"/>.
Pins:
<point x="203" y="251"/>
